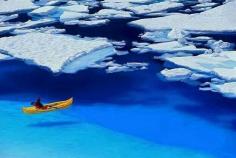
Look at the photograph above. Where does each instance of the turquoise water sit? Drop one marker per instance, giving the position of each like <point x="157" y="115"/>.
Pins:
<point x="127" y="114"/>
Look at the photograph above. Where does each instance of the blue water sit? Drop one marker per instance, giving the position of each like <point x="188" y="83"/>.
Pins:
<point x="137" y="104"/>
<point x="121" y="115"/>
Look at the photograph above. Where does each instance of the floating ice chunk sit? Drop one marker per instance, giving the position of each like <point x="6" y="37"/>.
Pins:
<point x="140" y="50"/>
<point x="8" y="17"/>
<point x="113" y="14"/>
<point x="119" y="44"/>
<point x="51" y="30"/>
<point x="176" y="74"/>
<point x="227" y="89"/>
<point x="221" y="65"/>
<point x="217" y="20"/>
<point x="54" y="2"/>
<point x="132" y="66"/>
<point x="22" y="31"/>
<point x="156" y="7"/>
<point x="156" y="36"/>
<point x="59" y="53"/>
<point x="170" y="55"/>
<point x="37" y="23"/>
<point x="117" y="68"/>
<point x="173" y="47"/>
<point x="228" y="74"/>
<point x="49" y="2"/>
<point x="123" y="4"/>
<point x="207" y="4"/>
<point x="116" y="5"/>
<point x="6" y="29"/>
<point x="137" y="64"/>
<point x="219" y="46"/>
<point x="141" y="7"/>
<point x="14" y="6"/>
<point x="201" y="9"/>
<point x="71" y="22"/>
<point x="198" y="39"/>
<point x="75" y="8"/>
<point x="197" y="76"/>
<point x="4" y="57"/>
<point x="69" y="16"/>
<point x="139" y="44"/>
<point x="44" y="11"/>
<point x="87" y="23"/>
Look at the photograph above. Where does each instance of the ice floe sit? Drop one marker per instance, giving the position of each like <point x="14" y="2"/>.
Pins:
<point x="44" y="11"/>
<point x="174" y="47"/>
<point x="227" y="89"/>
<point x="219" y="46"/>
<point x="51" y="30"/>
<point x="4" y="57"/>
<point x="88" y="23"/>
<point x="6" y="29"/>
<point x="131" y="66"/>
<point x="69" y="16"/>
<point x="76" y="8"/>
<point x="213" y="64"/>
<point x="217" y="20"/>
<point x="220" y="67"/>
<point x="14" y="6"/>
<point x="157" y="36"/>
<point x="142" y="7"/>
<point x="4" y="18"/>
<point x="119" y="44"/>
<point x="156" y="7"/>
<point x="37" y="23"/>
<point x="176" y="74"/>
<point x="59" y="53"/>
<point x="113" y="14"/>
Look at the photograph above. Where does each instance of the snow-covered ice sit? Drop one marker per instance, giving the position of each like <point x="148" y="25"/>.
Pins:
<point x="87" y="23"/>
<point x="75" y="8"/>
<point x="69" y="16"/>
<point x="176" y="74"/>
<point x="173" y="47"/>
<point x="4" y="18"/>
<point x="217" y="20"/>
<point x="131" y="66"/>
<point x="59" y="53"/>
<point x="51" y="30"/>
<point x="156" y="7"/>
<point x="6" y="29"/>
<point x="157" y="36"/>
<point x="14" y="6"/>
<point x="218" y="66"/>
<point x="227" y="89"/>
<point x="213" y="64"/>
<point x="113" y="14"/>
<point x="37" y="23"/>
<point x="4" y="57"/>
<point x="44" y="11"/>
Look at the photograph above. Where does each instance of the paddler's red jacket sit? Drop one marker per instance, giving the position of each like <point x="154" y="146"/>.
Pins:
<point x="38" y="103"/>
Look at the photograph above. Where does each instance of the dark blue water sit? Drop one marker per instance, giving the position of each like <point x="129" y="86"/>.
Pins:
<point x="136" y="103"/>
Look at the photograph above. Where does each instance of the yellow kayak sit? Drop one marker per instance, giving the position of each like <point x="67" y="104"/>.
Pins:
<point x="48" y="107"/>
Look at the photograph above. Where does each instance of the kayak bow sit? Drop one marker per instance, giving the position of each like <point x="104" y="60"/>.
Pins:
<point x="48" y="107"/>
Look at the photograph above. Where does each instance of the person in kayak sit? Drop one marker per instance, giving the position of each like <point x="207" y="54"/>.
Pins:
<point x="38" y="104"/>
